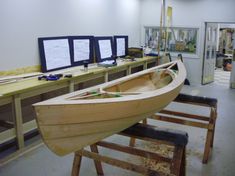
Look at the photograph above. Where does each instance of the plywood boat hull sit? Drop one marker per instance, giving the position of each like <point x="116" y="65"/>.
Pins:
<point x="69" y="124"/>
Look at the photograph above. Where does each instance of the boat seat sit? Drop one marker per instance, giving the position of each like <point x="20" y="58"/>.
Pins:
<point x="202" y="121"/>
<point x="175" y="138"/>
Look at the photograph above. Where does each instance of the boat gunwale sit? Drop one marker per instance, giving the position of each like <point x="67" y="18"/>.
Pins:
<point x="64" y="99"/>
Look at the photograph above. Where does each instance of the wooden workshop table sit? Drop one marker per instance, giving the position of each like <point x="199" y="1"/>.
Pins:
<point x="14" y="93"/>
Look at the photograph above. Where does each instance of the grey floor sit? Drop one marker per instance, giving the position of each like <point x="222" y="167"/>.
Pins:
<point x="42" y="162"/>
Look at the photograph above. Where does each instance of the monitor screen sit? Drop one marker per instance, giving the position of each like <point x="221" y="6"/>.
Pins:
<point x="54" y="53"/>
<point x="81" y="49"/>
<point x="104" y="48"/>
<point x="120" y="45"/>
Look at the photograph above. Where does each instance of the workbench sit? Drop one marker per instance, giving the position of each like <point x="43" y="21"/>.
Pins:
<point x="12" y="94"/>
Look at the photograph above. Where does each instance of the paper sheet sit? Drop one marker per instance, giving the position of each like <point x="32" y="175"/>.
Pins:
<point x="121" y="47"/>
<point x="57" y="53"/>
<point x="81" y="49"/>
<point x="105" y="49"/>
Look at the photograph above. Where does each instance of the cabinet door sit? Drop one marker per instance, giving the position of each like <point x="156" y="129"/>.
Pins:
<point x="209" y="53"/>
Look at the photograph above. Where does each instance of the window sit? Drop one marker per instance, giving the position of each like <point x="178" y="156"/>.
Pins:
<point x="174" y="39"/>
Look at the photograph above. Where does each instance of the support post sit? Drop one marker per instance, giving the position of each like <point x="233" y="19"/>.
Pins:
<point x="71" y="86"/>
<point x="18" y="121"/>
<point x="98" y="165"/>
<point x="76" y="164"/>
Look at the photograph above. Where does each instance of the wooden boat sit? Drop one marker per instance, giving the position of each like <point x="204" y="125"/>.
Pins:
<point x="70" y="122"/>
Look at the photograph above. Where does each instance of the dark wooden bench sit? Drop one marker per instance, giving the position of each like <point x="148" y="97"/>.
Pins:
<point x="177" y="139"/>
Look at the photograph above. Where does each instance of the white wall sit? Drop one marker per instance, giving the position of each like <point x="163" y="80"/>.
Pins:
<point x="23" y="21"/>
<point x="189" y="13"/>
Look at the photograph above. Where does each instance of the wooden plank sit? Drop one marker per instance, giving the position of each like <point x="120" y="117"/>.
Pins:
<point x="137" y="64"/>
<point x="145" y="65"/>
<point x="209" y="136"/>
<point x="207" y="149"/>
<point x="180" y="121"/>
<point x="134" y="151"/>
<point x="41" y="90"/>
<point x="21" y="76"/>
<point x="128" y="71"/>
<point x="177" y="159"/>
<point x="213" y="122"/>
<point x="5" y="100"/>
<point x="121" y="164"/>
<point x="98" y="165"/>
<point x="6" y="124"/>
<point x="10" y="134"/>
<point x="189" y="99"/>
<point x="18" y="121"/>
<point x="118" y="69"/>
<point x="84" y="78"/>
<point x="186" y="115"/>
<point x="76" y="164"/>
<point x="71" y="86"/>
<point x="106" y="77"/>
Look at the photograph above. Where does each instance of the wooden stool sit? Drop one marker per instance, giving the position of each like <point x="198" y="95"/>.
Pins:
<point x="202" y="121"/>
<point x="144" y="132"/>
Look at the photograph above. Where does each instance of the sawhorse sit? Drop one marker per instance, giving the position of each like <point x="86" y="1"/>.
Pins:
<point x="144" y="132"/>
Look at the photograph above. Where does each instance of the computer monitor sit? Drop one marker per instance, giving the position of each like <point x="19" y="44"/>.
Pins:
<point x="81" y="49"/>
<point x="120" y="45"/>
<point x="54" y="53"/>
<point x="104" y="48"/>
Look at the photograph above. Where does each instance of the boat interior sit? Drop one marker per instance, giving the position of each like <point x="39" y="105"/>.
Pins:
<point x="137" y="85"/>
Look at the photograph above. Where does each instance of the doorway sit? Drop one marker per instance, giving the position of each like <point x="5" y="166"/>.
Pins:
<point x="218" y="53"/>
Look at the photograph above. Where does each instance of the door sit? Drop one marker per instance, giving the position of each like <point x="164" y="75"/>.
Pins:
<point x="209" y="57"/>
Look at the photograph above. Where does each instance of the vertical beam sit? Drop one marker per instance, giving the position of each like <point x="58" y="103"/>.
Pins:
<point x="209" y="137"/>
<point x="76" y="164"/>
<point x="106" y="76"/>
<point x="71" y="86"/>
<point x="164" y="13"/>
<point x="132" y="140"/>
<point x="145" y="65"/>
<point x="162" y="23"/>
<point x="213" y="121"/>
<point x="183" y="164"/>
<point x="177" y="160"/>
<point x="98" y="165"/>
<point x="18" y="121"/>
<point x="207" y="146"/>
<point x="128" y="71"/>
